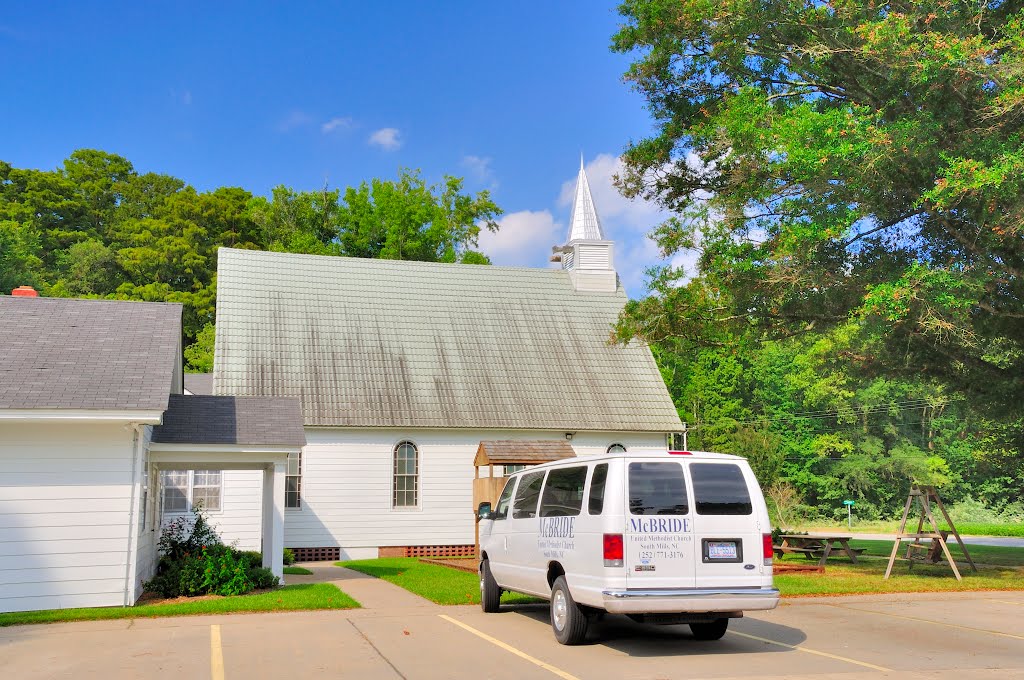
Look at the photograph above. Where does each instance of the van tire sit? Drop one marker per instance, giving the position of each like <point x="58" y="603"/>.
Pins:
<point x="490" y="592"/>
<point x="710" y="630"/>
<point x="566" y="612"/>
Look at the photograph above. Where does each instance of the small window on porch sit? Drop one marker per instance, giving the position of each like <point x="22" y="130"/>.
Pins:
<point x="616" y="448"/>
<point x="184" y="490"/>
<point x="293" y="481"/>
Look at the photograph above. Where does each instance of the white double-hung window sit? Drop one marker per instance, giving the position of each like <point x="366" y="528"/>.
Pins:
<point x="185" y="490"/>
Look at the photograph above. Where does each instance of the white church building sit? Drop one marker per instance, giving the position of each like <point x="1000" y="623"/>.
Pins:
<point x="349" y="399"/>
<point x="403" y="368"/>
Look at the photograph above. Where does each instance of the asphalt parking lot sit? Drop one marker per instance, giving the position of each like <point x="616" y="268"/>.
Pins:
<point x="962" y="635"/>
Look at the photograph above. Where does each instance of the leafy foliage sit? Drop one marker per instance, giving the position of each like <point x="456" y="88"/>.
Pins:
<point x="850" y="176"/>
<point x="97" y="228"/>
<point x="194" y="562"/>
<point x="839" y="161"/>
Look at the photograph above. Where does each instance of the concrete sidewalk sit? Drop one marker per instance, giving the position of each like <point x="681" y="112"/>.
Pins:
<point x="372" y="593"/>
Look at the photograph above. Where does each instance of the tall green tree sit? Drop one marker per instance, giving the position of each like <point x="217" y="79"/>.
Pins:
<point x="838" y="161"/>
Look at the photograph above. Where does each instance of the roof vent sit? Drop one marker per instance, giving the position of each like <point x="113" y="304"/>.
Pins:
<point x="24" y="291"/>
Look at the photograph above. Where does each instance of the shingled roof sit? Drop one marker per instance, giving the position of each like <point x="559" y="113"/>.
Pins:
<point x="379" y="343"/>
<point x="87" y="354"/>
<point x="518" y="452"/>
<point x="253" y="421"/>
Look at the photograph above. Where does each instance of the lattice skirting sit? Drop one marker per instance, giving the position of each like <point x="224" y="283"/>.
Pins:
<point x="427" y="551"/>
<point x="317" y="554"/>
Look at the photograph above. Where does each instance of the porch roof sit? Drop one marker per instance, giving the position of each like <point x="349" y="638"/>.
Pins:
<point x="244" y="421"/>
<point x="514" y="452"/>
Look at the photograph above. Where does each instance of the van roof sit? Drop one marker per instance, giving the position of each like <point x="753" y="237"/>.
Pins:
<point x="701" y="455"/>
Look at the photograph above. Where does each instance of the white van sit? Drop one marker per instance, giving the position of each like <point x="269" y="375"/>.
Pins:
<point x="677" y="537"/>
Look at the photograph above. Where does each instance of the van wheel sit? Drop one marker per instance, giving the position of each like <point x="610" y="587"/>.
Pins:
<point x="711" y="630"/>
<point x="567" y="618"/>
<point x="490" y="593"/>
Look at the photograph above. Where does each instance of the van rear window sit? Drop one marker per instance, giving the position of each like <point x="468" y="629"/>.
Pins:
<point x="657" y="489"/>
<point x="720" y="489"/>
<point x="563" y="492"/>
<point x="527" y="495"/>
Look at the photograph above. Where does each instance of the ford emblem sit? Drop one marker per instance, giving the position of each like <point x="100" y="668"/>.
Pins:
<point x="748" y="566"/>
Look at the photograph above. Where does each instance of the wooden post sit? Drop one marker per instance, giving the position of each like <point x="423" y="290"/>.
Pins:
<point x="899" y="535"/>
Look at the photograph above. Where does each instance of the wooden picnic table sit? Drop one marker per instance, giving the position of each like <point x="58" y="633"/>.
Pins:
<point x="813" y="545"/>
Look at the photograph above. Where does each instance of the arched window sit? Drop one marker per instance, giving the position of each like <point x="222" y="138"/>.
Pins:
<point x="616" y="448"/>
<point x="405" y="487"/>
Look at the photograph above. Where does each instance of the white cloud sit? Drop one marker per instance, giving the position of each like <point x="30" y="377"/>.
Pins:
<point x="336" y="123"/>
<point x="479" y="169"/>
<point x="524" y="239"/>
<point x="386" y="138"/>
<point x="294" y="119"/>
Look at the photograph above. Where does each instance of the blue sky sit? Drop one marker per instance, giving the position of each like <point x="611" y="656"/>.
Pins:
<point x="259" y="94"/>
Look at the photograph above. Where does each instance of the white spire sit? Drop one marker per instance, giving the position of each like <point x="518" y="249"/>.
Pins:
<point x="584" y="224"/>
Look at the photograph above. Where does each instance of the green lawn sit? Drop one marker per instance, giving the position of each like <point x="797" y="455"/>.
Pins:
<point x="297" y="571"/>
<point x="1003" y="571"/>
<point x="451" y="586"/>
<point x="891" y="526"/>
<point x="981" y="554"/>
<point x="439" y="584"/>
<point x="288" y="598"/>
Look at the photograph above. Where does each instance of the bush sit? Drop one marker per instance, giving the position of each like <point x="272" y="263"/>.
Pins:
<point x="262" y="577"/>
<point x="194" y="562"/>
<point x="289" y="557"/>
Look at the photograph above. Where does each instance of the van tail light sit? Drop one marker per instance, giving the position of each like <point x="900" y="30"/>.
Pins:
<point x="613" y="550"/>
<point x="767" y="552"/>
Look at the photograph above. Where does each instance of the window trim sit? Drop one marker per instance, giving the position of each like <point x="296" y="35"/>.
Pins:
<point x="417" y="495"/>
<point x="189" y="492"/>
<point x="298" y="490"/>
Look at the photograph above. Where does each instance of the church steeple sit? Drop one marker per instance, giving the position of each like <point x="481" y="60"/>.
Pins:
<point x="586" y="255"/>
<point x="584" y="224"/>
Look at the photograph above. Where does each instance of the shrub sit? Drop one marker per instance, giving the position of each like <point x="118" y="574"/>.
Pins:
<point x="186" y="535"/>
<point x="194" y="561"/>
<point x="289" y="557"/>
<point x="261" y="578"/>
<point x="251" y="558"/>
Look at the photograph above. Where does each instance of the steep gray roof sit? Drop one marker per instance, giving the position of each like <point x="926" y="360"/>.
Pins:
<point x="254" y="421"/>
<point x="87" y="354"/>
<point x="199" y="383"/>
<point x="383" y="343"/>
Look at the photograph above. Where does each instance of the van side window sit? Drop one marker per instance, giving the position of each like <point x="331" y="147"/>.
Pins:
<point x="720" y="489"/>
<point x="501" y="509"/>
<point x="563" y="492"/>
<point x="595" y="505"/>
<point x="657" y="489"/>
<point x="525" y="505"/>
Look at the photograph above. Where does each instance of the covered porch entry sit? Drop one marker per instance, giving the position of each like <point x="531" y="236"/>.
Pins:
<point x="220" y="433"/>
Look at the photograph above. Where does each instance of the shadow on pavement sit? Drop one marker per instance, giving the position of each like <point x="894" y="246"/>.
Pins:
<point x="643" y="639"/>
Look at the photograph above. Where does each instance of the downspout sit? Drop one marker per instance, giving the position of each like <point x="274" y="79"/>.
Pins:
<point x="129" y="561"/>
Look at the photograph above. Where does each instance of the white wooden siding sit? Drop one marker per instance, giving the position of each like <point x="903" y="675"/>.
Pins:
<point x="346" y="485"/>
<point x="64" y="503"/>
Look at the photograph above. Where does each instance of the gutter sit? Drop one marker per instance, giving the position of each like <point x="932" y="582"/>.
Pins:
<point x="130" y="560"/>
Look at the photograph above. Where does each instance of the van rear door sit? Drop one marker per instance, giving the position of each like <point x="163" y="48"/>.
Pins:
<point x="659" y="543"/>
<point x="727" y="535"/>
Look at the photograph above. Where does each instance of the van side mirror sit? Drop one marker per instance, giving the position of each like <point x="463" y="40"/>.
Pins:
<point x="483" y="511"/>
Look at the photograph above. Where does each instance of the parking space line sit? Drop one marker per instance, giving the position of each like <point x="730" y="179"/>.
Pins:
<point x="936" y="623"/>
<point x="509" y="648"/>
<point x="216" y="654"/>
<point x="813" y="651"/>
